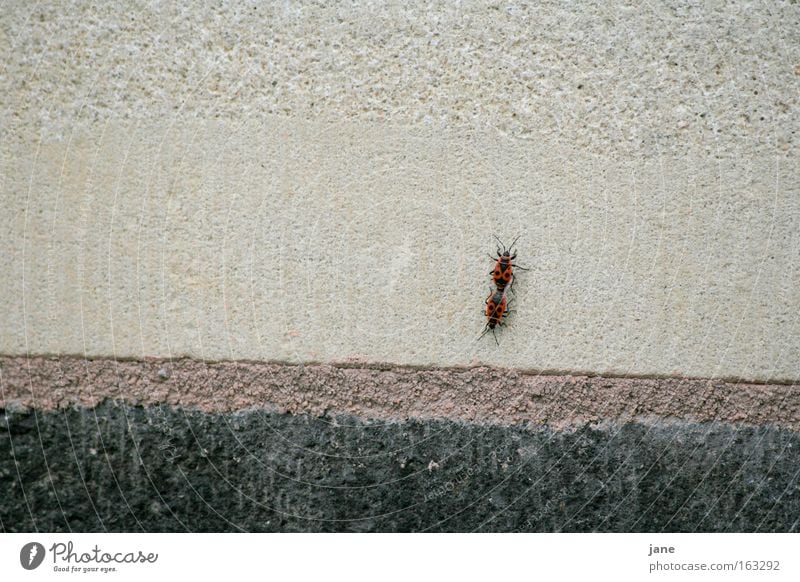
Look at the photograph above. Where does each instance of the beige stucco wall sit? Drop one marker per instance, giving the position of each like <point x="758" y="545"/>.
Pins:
<point x="291" y="183"/>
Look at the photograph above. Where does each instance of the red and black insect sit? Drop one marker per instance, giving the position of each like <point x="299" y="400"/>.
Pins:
<point x="496" y="310"/>
<point x="503" y="272"/>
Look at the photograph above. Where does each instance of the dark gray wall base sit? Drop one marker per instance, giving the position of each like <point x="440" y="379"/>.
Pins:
<point x="123" y="468"/>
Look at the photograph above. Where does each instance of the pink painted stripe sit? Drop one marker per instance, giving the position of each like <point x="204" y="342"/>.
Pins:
<point x="491" y="395"/>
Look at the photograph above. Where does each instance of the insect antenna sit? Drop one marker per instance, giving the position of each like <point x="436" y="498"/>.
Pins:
<point x="500" y="243"/>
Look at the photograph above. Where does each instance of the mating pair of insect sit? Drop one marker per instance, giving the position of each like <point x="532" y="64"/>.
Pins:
<point x="503" y="277"/>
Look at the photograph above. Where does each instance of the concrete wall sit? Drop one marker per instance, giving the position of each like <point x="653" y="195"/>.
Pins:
<point x="308" y="194"/>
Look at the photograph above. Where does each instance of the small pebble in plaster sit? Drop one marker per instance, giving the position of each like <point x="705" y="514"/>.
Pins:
<point x="164" y="374"/>
<point x="17" y="407"/>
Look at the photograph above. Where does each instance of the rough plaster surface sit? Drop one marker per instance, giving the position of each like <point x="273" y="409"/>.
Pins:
<point x="297" y="183"/>
<point x="628" y="80"/>
<point x="495" y="396"/>
<point x="124" y="468"/>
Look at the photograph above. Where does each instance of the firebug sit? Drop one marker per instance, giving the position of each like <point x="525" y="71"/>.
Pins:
<point x="503" y="272"/>
<point x="496" y="310"/>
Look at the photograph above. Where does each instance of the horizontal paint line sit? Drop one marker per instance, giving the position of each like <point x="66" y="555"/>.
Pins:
<point x="387" y="366"/>
<point x="484" y="394"/>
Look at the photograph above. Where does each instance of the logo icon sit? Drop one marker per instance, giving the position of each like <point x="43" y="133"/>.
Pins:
<point x="31" y="555"/>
